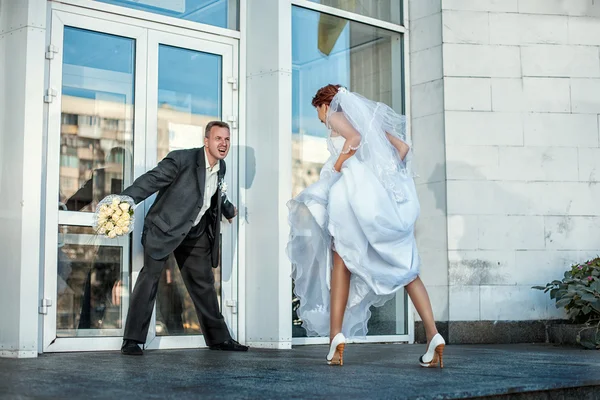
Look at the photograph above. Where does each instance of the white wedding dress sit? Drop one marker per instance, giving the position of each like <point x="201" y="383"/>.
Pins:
<point x="367" y="216"/>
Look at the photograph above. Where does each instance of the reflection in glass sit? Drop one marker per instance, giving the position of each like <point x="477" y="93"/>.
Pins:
<point x="385" y="10"/>
<point x="365" y="59"/>
<point x="221" y="13"/>
<point x="91" y="282"/>
<point x="189" y="96"/>
<point x="96" y="141"/>
<point x="97" y="117"/>
<point x="175" y="312"/>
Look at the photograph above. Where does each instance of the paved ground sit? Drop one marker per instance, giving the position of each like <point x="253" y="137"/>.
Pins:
<point x="373" y="371"/>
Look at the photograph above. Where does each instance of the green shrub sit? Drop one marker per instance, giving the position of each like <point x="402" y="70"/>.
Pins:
<point x="579" y="294"/>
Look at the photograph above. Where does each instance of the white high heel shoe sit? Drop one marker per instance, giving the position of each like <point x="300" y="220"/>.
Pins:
<point x="337" y="345"/>
<point x="435" y="353"/>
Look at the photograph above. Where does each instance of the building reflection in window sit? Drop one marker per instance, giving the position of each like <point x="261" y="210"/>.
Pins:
<point x="327" y="49"/>
<point x="97" y="102"/>
<point x="91" y="275"/>
<point x="96" y="157"/>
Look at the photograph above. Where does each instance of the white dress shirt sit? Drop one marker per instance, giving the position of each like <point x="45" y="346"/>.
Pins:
<point x="210" y="186"/>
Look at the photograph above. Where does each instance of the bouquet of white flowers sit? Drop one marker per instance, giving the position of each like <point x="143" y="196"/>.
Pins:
<point x="114" y="216"/>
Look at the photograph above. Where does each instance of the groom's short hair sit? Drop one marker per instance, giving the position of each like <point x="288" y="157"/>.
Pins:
<point x="210" y="125"/>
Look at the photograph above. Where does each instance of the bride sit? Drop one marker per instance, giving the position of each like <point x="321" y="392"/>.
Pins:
<point x="352" y="243"/>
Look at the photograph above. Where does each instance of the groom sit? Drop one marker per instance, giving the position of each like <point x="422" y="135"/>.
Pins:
<point x="184" y="220"/>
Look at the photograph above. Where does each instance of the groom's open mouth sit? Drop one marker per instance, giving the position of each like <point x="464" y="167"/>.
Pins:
<point x="222" y="150"/>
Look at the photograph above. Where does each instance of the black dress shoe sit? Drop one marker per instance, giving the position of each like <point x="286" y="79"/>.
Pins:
<point x="229" y="345"/>
<point x="131" y="348"/>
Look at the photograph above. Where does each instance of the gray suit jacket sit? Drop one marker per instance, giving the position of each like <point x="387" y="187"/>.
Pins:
<point x="179" y="180"/>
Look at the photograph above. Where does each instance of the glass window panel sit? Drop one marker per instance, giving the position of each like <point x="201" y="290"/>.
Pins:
<point x="97" y="117"/>
<point x="221" y="13"/>
<point x="189" y="96"/>
<point x="386" y="10"/>
<point x="92" y="284"/>
<point x="368" y="60"/>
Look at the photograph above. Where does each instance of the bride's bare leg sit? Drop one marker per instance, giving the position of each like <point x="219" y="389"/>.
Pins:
<point x="340" y="286"/>
<point x="418" y="294"/>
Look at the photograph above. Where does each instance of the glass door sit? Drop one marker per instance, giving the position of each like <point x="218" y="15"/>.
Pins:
<point x="190" y="83"/>
<point x="120" y="98"/>
<point x="96" y="128"/>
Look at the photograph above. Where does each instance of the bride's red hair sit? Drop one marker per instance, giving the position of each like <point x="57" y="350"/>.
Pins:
<point x="325" y="95"/>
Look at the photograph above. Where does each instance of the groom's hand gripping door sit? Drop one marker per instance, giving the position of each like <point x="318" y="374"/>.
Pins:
<point x="228" y="210"/>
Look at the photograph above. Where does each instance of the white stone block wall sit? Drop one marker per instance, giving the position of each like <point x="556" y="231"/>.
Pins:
<point x="521" y="105"/>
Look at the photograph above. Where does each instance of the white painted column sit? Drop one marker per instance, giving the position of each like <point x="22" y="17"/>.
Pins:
<point x="22" y="42"/>
<point x="269" y="172"/>
<point x="427" y="125"/>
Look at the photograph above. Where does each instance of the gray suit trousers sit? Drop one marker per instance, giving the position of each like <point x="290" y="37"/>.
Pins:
<point x="193" y="256"/>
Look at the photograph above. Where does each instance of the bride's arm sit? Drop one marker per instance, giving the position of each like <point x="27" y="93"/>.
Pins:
<point x="344" y="128"/>
<point x="400" y="146"/>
